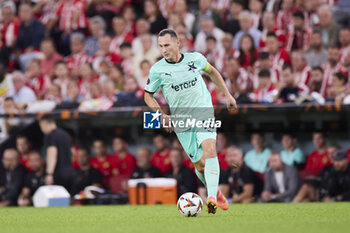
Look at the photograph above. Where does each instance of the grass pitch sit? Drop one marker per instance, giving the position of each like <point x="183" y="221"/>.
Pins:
<point x="259" y="218"/>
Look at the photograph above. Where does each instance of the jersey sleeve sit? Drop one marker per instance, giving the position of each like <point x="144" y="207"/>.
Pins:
<point x="203" y="63"/>
<point x="153" y="82"/>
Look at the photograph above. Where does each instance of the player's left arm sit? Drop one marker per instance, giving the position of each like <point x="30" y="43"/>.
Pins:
<point x="216" y="77"/>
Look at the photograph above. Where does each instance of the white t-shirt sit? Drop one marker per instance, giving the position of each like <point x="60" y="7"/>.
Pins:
<point x="279" y="180"/>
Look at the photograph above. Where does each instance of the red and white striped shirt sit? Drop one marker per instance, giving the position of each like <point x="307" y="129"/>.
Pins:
<point x="274" y="76"/>
<point x="282" y="40"/>
<point x="328" y="76"/>
<point x="39" y="85"/>
<point x="215" y="57"/>
<point x="9" y="32"/>
<point x="49" y="11"/>
<point x="262" y="94"/>
<point x="72" y="15"/>
<point x="118" y="40"/>
<point x="111" y="58"/>
<point x="75" y="60"/>
<point x="280" y="58"/>
<point x="301" y="38"/>
<point x="283" y="20"/>
<point x="242" y="81"/>
<point x="303" y="76"/>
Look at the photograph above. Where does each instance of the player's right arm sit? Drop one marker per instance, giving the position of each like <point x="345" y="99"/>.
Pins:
<point x="152" y="86"/>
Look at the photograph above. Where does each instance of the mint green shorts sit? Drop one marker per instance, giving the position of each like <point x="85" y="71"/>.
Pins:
<point x="191" y="142"/>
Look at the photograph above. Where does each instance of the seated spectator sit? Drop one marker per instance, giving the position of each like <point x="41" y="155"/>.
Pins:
<point x="205" y="11"/>
<point x="269" y="26"/>
<point x="33" y="180"/>
<point x="9" y="125"/>
<point x="333" y="183"/>
<point x="329" y="29"/>
<point x="246" y="24"/>
<point x="54" y="93"/>
<point x="299" y="33"/>
<point x="50" y="58"/>
<point x="301" y="71"/>
<point x="6" y="83"/>
<point x="288" y="90"/>
<point x="35" y="80"/>
<point x="239" y="182"/>
<point x="102" y="161"/>
<point x="186" y="180"/>
<point x="316" y="79"/>
<point x="125" y="161"/>
<point x="142" y="28"/>
<point x="161" y="158"/>
<point x="291" y="155"/>
<point x="247" y="52"/>
<point x="256" y="8"/>
<point x="257" y="158"/>
<point x="23" y="94"/>
<point x="207" y="29"/>
<point x="127" y="57"/>
<point x="108" y="90"/>
<point x="24" y="149"/>
<point x="284" y="15"/>
<point x="86" y="175"/>
<point x="97" y="28"/>
<point x="319" y="158"/>
<point x="87" y="76"/>
<point x="265" y="62"/>
<point x="278" y="55"/>
<point x="317" y="55"/>
<point x="9" y="24"/>
<point x="222" y="146"/>
<point x="237" y="79"/>
<point x="15" y="175"/>
<point x="121" y="35"/>
<point x="144" y="168"/>
<point x="336" y="92"/>
<point x="61" y="76"/>
<point x="228" y="50"/>
<point x="180" y="9"/>
<point x="116" y="75"/>
<point x="265" y="92"/>
<point x="282" y="182"/>
<point x="145" y="67"/>
<point x="132" y="94"/>
<point x="78" y="55"/>
<point x="212" y="52"/>
<point x="154" y="16"/>
<point x="30" y="34"/>
<point x="232" y="24"/>
<point x="73" y="95"/>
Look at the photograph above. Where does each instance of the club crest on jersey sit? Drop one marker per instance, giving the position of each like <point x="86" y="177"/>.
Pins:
<point x="191" y="66"/>
<point x="184" y="85"/>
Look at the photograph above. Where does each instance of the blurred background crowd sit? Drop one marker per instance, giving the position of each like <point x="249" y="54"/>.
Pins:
<point x="96" y="55"/>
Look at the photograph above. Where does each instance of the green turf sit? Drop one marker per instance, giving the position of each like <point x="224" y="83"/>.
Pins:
<point x="310" y="217"/>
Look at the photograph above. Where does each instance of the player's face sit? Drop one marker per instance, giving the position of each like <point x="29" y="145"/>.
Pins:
<point x="169" y="47"/>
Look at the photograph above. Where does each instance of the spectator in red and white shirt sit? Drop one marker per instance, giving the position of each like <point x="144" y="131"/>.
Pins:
<point x="87" y="77"/>
<point x="269" y="25"/>
<point x="330" y="68"/>
<point x="256" y="8"/>
<point x="186" y="43"/>
<point x="78" y="56"/>
<point x="212" y="53"/>
<point x="301" y="71"/>
<point x="54" y="93"/>
<point x="299" y="34"/>
<point x="121" y="34"/>
<point x="108" y="90"/>
<point x="236" y="78"/>
<point x="71" y="15"/>
<point x="279" y="55"/>
<point x="316" y="79"/>
<point x="284" y="16"/>
<point x="127" y="58"/>
<point x="129" y="16"/>
<point x="265" y="62"/>
<point x="50" y="57"/>
<point x="228" y="50"/>
<point x="344" y="40"/>
<point x="61" y="76"/>
<point x="266" y="90"/>
<point x="311" y="17"/>
<point x="9" y="24"/>
<point x="207" y="29"/>
<point x="104" y="54"/>
<point x="35" y="79"/>
<point x="247" y="52"/>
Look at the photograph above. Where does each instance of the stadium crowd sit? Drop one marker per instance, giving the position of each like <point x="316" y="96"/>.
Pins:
<point x="259" y="175"/>
<point x="96" y="54"/>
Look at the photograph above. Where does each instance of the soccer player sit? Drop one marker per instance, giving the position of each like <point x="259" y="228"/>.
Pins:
<point x="178" y="75"/>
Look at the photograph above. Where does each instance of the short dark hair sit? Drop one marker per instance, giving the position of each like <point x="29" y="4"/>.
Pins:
<point x="341" y="76"/>
<point x="319" y="68"/>
<point x="264" y="73"/>
<point x="263" y="55"/>
<point x="271" y="34"/>
<point x="9" y="98"/>
<point x="48" y="118"/>
<point x="210" y="38"/>
<point x="125" y="45"/>
<point x="299" y="14"/>
<point x="286" y="67"/>
<point x="170" y="32"/>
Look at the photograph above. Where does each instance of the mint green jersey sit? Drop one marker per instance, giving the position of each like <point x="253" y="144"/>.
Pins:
<point x="181" y="83"/>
